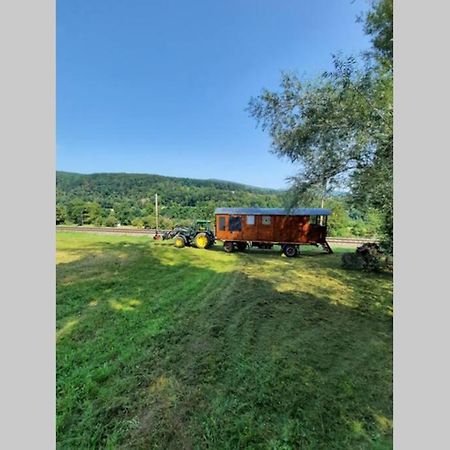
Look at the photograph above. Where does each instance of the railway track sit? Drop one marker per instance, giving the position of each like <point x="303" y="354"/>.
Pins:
<point x="359" y="241"/>
<point x="109" y="230"/>
<point x="151" y="232"/>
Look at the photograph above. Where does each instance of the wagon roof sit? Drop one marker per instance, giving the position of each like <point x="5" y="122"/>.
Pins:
<point x="275" y="211"/>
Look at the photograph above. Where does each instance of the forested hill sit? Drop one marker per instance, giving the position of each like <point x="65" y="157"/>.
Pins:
<point x="128" y="199"/>
<point x="122" y="197"/>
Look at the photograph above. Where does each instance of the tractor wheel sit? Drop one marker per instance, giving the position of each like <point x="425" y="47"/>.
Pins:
<point x="180" y="241"/>
<point x="290" y="250"/>
<point x="241" y="246"/>
<point x="228" y="246"/>
<point x="201" y="240"/>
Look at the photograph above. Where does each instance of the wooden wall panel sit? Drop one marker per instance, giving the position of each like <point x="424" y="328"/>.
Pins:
<point x="292" y="229"/>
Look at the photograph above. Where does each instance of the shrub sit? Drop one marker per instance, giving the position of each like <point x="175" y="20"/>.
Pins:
<point x="369" y="257"/>
<point x="61" y="214"/>
<point x="111" y="221"/>
<point x="358" y="228"/>
<point x="138" y="223"/>
<point x="149" y="222"/>
<point x="99" y="221"/>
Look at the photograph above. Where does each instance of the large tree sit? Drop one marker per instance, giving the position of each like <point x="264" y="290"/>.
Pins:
<point x="338" y="126"/>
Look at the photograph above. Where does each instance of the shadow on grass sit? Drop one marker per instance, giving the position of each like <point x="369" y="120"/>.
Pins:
<point x="305" y="250"/>
<point x="181" y="356"/>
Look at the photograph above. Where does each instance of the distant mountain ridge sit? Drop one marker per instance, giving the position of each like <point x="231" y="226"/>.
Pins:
<point x="129" y="196"/>
<point x="60" y="174"/>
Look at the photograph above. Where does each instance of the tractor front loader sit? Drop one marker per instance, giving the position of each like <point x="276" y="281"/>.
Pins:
<point x="198" y="235"/>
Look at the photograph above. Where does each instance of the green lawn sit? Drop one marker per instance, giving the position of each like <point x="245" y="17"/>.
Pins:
<point x="168" y="348"/>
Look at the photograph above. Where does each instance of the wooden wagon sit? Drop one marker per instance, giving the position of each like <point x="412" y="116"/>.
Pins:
<point x="240" y="228"/>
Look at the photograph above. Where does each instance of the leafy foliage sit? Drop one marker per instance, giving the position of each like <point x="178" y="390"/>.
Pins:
<point x="368" y="257"/>
<point x="61" y="214"/>
<point x="111" y="221"/>
<point x="379" y="23"/>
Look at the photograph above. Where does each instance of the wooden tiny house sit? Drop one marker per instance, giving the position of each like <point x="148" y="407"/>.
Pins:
<point x="265" y="227"/>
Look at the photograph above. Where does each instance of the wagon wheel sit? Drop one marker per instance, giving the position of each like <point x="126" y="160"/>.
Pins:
<point x="290" y="250"/>
<point x="180" y="241"/>
<point x="241" y="246"/>
<point x="228" y="246"/>
<point x="201" y="240"/>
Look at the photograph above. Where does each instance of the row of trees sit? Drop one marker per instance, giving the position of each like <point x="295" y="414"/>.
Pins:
<point x="341" y="223"/>
<point x="79" y="212"/>
<point x="345" y="220"/>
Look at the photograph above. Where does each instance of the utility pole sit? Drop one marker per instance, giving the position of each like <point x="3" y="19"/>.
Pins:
<point x="324" y="193"/>
<point x="156" y="212"/>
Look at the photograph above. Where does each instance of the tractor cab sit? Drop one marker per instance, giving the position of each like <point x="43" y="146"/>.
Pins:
<point x="202" y="225"/>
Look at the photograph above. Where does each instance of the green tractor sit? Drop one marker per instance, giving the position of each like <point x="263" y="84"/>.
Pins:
<point x="198" y="235"/>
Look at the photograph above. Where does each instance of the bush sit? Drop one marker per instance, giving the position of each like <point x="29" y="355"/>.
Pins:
<point x="111" y="221"/>
<point x="138" y="223"/>
<point x="149" y="222"/>
<point x="61" y="214"/>
<point x="99" y="221"/>
<point x="358" y="228"/>
<point x="165" y="223"/>
<point x="368" y="257"/>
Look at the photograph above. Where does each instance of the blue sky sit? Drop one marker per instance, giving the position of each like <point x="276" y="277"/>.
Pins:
<point x="161" y="86"/>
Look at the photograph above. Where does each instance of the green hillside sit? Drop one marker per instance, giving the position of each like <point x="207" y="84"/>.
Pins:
<point x="90" y="199"/>
<point x="109" y="199"/>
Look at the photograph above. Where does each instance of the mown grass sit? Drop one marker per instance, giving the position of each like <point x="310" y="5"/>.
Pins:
<point x="165" y="348"/>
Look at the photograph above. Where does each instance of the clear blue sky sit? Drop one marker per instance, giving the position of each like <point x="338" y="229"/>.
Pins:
<point x="161" y="86"/>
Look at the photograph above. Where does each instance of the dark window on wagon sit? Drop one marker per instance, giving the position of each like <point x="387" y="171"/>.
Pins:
<point x="222" y="223"/>
<point x="318" y="220"/>
<point x="235" y="223"/>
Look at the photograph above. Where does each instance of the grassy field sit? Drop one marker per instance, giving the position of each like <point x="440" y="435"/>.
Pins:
<point x="165" y="348"/>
